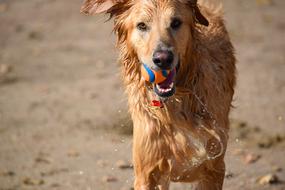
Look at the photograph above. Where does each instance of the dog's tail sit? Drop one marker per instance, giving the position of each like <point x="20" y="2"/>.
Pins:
<point x="214" y="6"/>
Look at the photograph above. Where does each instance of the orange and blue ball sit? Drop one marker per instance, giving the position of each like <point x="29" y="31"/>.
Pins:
<point x="154" y="76"/>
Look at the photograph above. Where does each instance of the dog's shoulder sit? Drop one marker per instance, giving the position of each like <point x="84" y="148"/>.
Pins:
<point x="214" y="42"/>
<point x="215" y="38"/>
<point x="216" y="53"/>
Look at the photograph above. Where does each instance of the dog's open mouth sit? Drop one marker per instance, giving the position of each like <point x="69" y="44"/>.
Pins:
<point x="167" y="87"/>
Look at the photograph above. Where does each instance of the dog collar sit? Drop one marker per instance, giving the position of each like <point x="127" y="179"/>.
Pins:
<point x="154" y="100"/>
<point x="157" y="103"/>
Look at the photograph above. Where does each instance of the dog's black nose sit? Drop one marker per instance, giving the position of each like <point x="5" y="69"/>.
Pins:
<point x="163" y="59"/>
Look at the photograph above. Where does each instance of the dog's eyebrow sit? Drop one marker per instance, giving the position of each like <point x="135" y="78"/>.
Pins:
<point x="146" y="14"/>
<point x="176" y="17"/>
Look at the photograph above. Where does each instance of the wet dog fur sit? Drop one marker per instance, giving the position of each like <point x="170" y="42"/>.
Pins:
<point x="186" y="140"/>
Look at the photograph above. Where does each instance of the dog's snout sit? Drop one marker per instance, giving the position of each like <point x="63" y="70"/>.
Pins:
<point x="163" y="59"/>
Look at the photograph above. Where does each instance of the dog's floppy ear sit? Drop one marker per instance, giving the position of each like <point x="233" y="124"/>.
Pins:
<point x="199" y="17"/>
<point x="92" y="7"/>
<point x="197" y="13"/>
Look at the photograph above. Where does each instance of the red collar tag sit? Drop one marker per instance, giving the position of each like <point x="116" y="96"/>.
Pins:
<point x="157" y="103"/>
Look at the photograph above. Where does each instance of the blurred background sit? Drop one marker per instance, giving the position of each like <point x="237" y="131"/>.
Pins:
<point x="63" y="117"/>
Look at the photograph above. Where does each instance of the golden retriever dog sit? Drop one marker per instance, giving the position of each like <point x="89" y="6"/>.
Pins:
<point x="181" y="124"/>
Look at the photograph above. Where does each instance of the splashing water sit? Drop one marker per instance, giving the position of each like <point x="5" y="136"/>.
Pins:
<point x="212" y="132"/>
<point x="216" y="131"/>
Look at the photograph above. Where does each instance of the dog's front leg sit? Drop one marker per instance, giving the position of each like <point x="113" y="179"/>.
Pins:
<point x="151" y="169"/>
<point x="152" y="181"/>
<point x="213" y="177"/>
<point x="151" y="173"/>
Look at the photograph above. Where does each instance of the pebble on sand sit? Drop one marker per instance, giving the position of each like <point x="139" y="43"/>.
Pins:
<point x="109" y="179"/>
<point x="121" y="164"/>
<point x="229" y="175"/>
<point x="7" y="173"/>
<point x="251" y="158"/>
<point x="42" y="160"/>
<point x="268" y="179"/>
<point x="5" y="69"/>
<point x="277" y="168"/>
<point x="73" y="153"/>
<point x="33" y="182"/>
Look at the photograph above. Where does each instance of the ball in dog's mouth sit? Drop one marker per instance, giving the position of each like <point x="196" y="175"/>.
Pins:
<point x="166" y="88"/>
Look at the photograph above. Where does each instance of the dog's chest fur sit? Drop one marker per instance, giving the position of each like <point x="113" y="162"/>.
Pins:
<point x="171" y="137"/>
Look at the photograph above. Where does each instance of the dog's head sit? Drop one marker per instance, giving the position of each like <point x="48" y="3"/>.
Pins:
<point x="159" y="32"/>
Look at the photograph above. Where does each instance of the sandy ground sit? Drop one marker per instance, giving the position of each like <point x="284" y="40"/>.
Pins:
<point x="63" y="119"/>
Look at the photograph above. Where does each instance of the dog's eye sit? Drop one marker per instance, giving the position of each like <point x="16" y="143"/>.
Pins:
<point x="175" y="24"/>
<point x="142" y="26"/>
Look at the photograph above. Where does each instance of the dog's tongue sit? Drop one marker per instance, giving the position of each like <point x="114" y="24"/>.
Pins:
<point x="170" y="78"/>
